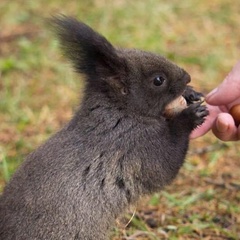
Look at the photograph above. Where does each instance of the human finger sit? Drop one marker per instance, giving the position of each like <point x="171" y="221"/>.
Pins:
<point x="228" y="91"/>
<point x="224" y="128"/>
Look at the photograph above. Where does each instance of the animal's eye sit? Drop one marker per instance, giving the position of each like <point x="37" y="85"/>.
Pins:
<point x="159" y="80"/>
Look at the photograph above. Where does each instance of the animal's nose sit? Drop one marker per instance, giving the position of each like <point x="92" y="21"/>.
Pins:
<point x="186" y="78"/>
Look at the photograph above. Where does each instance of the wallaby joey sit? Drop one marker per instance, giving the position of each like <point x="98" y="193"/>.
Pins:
<point x="118" y="146"/>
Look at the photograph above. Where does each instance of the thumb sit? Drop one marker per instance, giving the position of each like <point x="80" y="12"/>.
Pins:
<point x="228" y="90"/>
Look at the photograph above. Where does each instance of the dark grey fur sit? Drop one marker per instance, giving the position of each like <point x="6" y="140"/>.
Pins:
<point x="117" y="147"/>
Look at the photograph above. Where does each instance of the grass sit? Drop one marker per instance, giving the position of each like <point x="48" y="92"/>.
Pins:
<point x="39" y="92"/>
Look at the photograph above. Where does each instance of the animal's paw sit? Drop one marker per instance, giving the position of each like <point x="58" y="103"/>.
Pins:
<point x="195" y="114"/>
<point x="192" y="96"/>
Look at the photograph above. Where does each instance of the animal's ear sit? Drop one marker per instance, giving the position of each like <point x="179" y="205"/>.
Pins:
<point x="89" y="51"/>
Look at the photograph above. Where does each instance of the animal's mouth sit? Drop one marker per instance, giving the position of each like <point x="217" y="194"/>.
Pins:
<point x="188" y="97"/>
<point x="175" y="107"/>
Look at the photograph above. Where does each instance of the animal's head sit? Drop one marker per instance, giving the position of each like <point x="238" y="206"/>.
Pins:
<point x="136" y="80"/>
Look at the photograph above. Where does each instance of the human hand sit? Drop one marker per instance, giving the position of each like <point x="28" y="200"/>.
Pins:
<point x="220" y="101"/>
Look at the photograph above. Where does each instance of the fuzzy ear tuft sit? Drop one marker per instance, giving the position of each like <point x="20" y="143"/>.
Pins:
<point x="89" y="51"/>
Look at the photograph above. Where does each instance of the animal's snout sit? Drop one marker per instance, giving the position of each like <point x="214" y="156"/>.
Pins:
<point x="186" y="78"/>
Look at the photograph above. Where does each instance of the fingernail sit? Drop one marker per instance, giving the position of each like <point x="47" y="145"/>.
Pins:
<point x="211" y="94"/>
